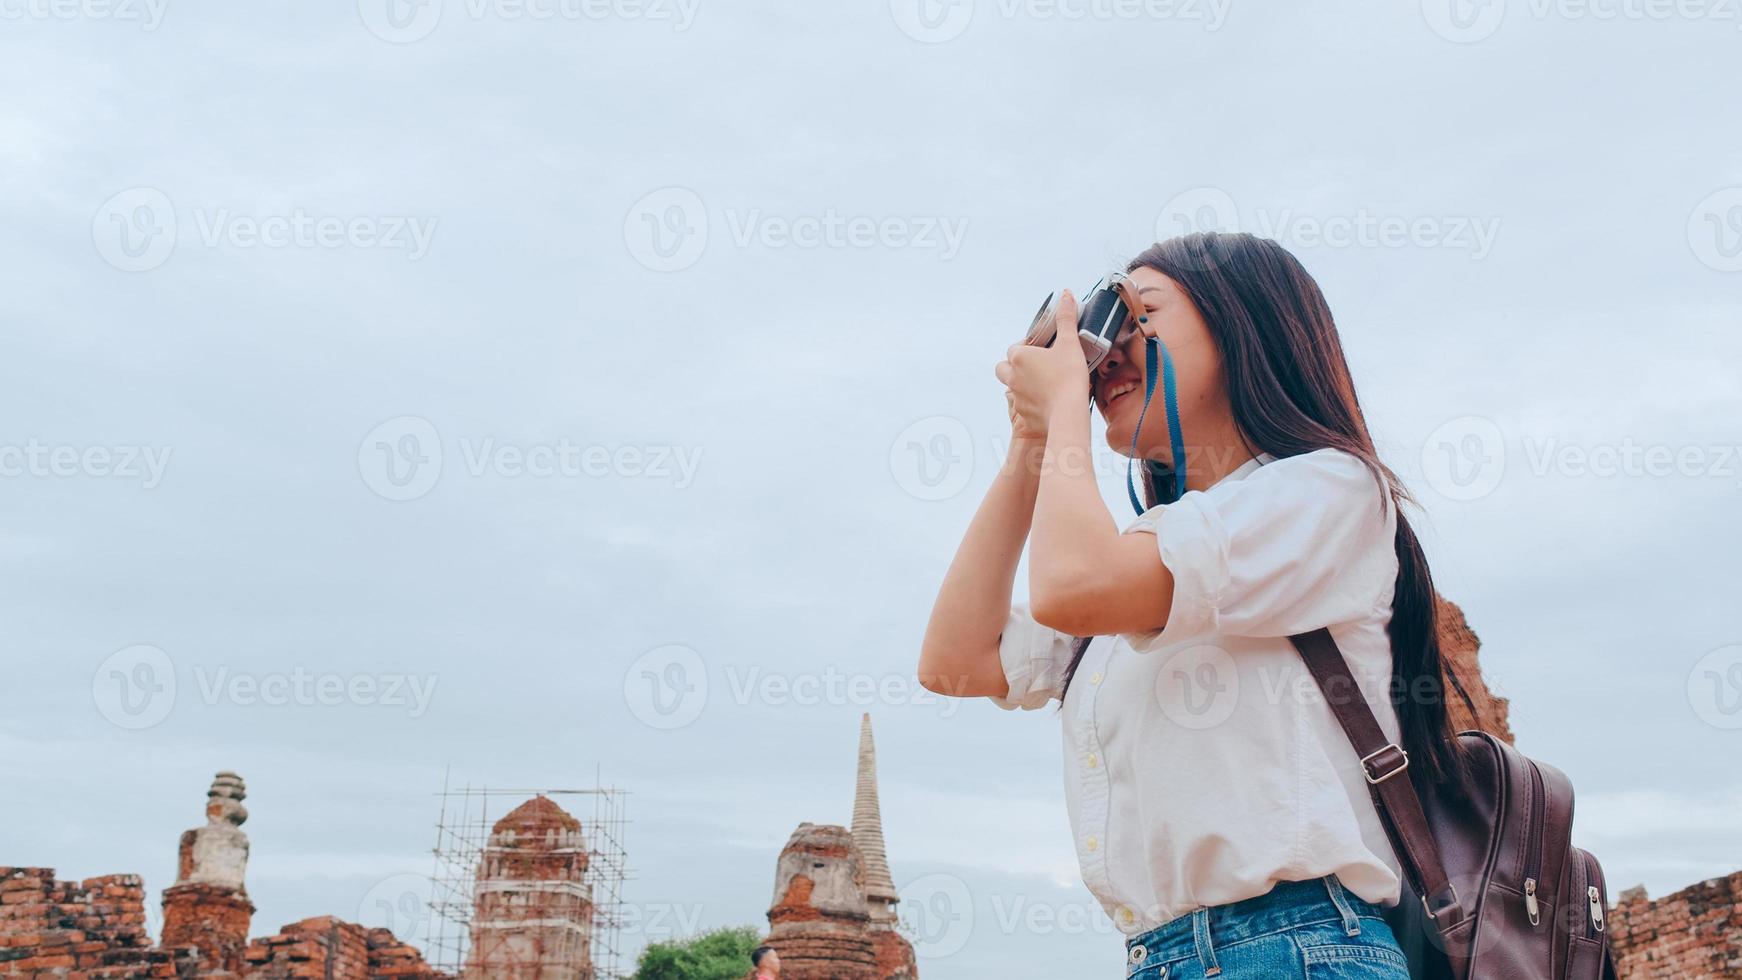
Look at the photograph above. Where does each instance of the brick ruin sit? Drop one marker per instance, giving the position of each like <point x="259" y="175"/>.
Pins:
<point x="833" y="915"/>
<point x="1693" y="933"/>
<point x="531" y="917"/>
<point x="533" y="907"/>
<point x="207" y="908"/>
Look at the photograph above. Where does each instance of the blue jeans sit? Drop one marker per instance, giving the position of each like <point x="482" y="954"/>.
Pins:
<point x="1304" y="930"/>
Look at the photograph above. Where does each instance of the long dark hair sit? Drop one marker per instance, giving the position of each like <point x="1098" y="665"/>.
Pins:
<point x="1291" y="393"/>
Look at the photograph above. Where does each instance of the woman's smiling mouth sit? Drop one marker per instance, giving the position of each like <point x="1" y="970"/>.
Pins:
<point x="1117" y="391"/>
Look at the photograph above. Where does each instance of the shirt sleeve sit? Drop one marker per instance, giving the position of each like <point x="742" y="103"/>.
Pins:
<point x="1302" y="542"/>
<point x="1035" y="658"/>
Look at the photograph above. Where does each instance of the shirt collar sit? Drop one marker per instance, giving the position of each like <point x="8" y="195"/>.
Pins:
<point x="1245" y="469"/>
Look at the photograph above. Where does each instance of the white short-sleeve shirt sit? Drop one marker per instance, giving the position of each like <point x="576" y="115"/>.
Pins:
<point x="1202" y="765"/>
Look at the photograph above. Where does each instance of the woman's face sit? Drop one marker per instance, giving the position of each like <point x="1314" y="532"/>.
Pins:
<point x="1197" y="365"/>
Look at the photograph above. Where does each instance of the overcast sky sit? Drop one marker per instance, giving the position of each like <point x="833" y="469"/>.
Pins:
<point x="391" y="393"/>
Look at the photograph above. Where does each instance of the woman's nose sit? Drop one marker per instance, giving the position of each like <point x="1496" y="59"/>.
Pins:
<point x="1110" y="363"/>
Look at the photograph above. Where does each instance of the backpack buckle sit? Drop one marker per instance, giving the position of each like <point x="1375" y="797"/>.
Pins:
<point x="1400" y="757"/>
<point x="1446" y="901"/>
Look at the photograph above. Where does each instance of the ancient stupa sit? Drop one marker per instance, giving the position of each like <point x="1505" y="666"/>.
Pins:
<point x="533" y="909"/>
<point x="894" y="953"/>
<point x="208" y="905"/>
<point x="833" y="915"/>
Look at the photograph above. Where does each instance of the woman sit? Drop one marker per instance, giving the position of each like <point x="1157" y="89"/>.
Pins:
<point x="1220" y="815"/>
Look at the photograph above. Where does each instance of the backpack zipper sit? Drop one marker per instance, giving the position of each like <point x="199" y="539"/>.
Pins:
<point x="1533" y="844"/>
<point x="1574" y="885"/>
<point x="1593" y="896"/>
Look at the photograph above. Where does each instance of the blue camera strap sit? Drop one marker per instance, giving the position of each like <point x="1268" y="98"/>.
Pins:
<point x="1170" y="401"/>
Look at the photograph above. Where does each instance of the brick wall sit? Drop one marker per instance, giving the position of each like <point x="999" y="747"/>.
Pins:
<point x="91" y="929"/>
<point x="331" y="949"/>
<point x="1693" y="934"/>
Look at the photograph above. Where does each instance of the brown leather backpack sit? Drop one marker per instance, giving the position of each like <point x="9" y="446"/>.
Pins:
<point x="1493" y="888"/>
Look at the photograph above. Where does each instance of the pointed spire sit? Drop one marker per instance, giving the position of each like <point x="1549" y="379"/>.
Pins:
<point x="868" y="830"/>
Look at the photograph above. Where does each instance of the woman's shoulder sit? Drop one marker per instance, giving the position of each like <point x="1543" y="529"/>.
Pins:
<point x="1315" y="474"/>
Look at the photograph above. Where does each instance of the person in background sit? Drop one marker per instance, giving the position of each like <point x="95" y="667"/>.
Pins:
<point x="767" y="963"/>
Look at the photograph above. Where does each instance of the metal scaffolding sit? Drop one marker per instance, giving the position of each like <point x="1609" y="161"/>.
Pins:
<point x="463" y="834"/>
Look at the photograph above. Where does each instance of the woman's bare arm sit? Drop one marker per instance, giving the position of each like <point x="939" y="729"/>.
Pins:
<point x="959" y="656"/>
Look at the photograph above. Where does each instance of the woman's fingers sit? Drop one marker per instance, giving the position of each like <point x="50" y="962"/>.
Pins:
<point x="1067" y="314"/>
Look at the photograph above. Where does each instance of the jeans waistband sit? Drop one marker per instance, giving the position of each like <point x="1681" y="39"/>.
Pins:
<point x="1286" y="905"/>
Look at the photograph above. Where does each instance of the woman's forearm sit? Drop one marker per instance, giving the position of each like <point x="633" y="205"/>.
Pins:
<point x="1084" y="577"/>
<point x="1072" y="526"/>
<point x="959" y="656"/>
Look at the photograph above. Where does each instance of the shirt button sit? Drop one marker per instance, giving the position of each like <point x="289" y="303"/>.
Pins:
<point x="1125" y="915"/>
<point x="1093" y="844"/>
<point x="1093" y="760"/>
<point x="1095" y="678"/>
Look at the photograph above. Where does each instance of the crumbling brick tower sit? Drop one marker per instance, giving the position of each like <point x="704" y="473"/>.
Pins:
<point x="819" y="922"/>
<point x="533" y="913"/>
<point x="895" y="960"/>
<point x="208" y="905"/>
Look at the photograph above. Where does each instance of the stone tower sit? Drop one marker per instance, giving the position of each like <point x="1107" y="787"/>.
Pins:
<point x="208" y="906"/>
<point x="1460" y="648"/>
<point x="533" y="909"/>
<point x="819" y="920"/>
<point x="895" y="960"/>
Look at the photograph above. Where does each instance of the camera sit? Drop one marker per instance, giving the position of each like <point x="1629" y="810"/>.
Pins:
<point x="1104" y="315"/>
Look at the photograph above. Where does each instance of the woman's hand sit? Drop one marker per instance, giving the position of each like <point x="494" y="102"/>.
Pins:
<point x="1042" y="379"/>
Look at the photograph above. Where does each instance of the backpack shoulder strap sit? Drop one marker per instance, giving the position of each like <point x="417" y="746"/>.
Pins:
<point x="1382" y="761"/>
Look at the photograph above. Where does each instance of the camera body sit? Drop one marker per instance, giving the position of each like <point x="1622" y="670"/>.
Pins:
<point x="1105" y="315"/>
